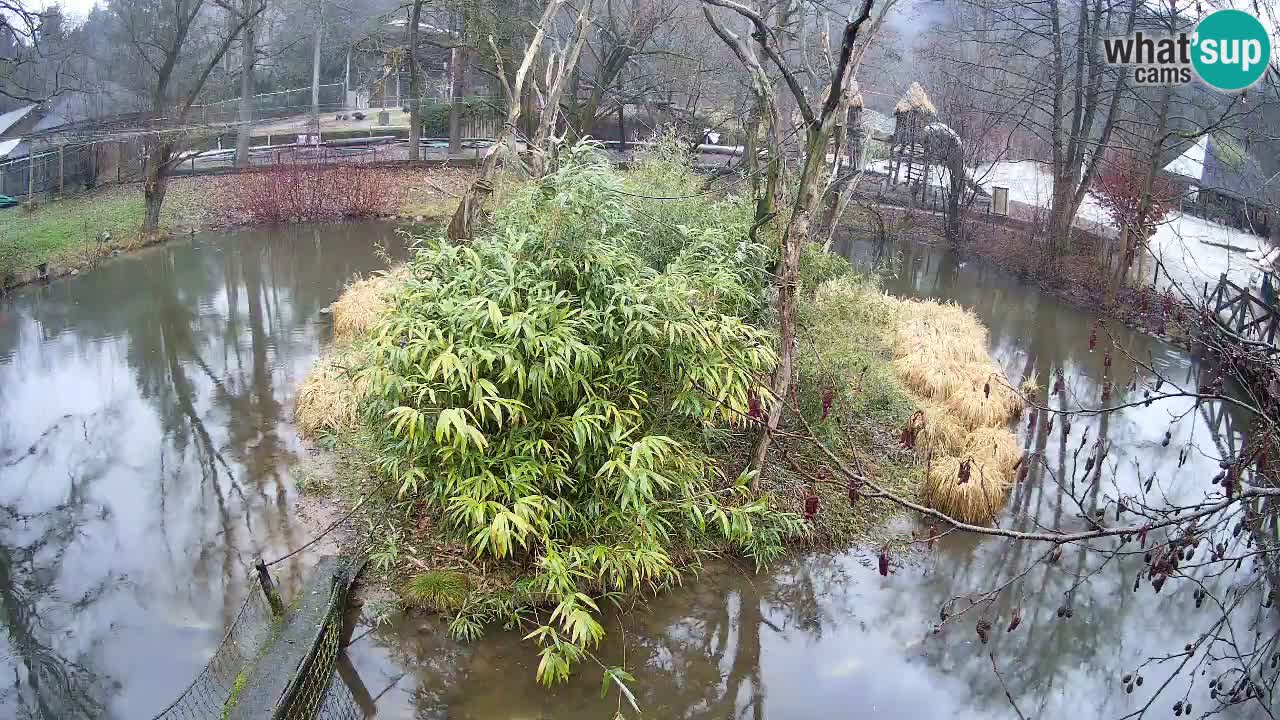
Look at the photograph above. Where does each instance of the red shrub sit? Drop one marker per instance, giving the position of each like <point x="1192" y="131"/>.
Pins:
<point x="1119" y="192"/>
<point x="312" y="192"/>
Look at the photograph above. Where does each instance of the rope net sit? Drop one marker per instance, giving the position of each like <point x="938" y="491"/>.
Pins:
<point x="207" y="695"/>
<point x="312" y="693"/>
<point x="308" y="693"/>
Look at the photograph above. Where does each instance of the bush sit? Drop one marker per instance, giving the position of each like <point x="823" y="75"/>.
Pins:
<point x="311" y="192"/>
<point x="547" y="394"/>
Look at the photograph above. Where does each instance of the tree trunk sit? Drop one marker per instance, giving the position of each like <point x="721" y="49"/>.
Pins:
<point x="248" y="81"/>
<point x="155" y="185"/>
<point x="457" y="86"/>
<point x="415" y="85"/>
<point x="315" y="70"/>
<point x="789" y="284"/>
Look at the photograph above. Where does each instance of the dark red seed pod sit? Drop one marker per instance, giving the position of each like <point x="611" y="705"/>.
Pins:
<point x="828" y="397"/>
<point x="966" y="470"/>
<point x="984" y="631"/>
<point x="1015" y="621"/>
<point x="986" y="389"/>
<point x="1106" y="359"/>
<point x="884" y="561"/>
<point x="853" y="493"/>
<point x="753" y="407"/>
<point x="1022" y="472"/>
<point x="1093" y="337"/>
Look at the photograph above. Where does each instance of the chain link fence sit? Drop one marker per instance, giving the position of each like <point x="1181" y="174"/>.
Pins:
<point x="314" y="690"/>
<point x="206" y="698"/>
<point x="308" y="693"/>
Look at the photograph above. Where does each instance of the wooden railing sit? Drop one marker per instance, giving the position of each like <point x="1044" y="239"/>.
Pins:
<point x="1246" y="314"/>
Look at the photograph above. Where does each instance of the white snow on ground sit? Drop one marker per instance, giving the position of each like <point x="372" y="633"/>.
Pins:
<point x="1182" y="242"/>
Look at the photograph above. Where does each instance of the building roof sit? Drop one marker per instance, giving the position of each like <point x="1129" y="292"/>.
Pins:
<point x="13" y="117"/>
<point x="1219" y="164"/>
<point x="8" y="146"/>
<point x="881" y="125"/>
<point x="1190" y="164"/>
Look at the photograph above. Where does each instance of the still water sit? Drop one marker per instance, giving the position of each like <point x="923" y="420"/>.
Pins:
<point x="145" y="454"/>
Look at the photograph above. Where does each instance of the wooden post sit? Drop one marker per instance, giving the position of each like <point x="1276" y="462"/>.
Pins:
<point x="31" y="173"/>
<point x="269" y="588"/>
<point x="622" y="127"/>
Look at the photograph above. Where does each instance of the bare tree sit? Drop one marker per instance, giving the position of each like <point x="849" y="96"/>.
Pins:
<point x="1054" y="77"/>
<point x="248" y="85"/>
<point x="625" y="32"/>
<point x="819" y="118"/>
<point x="178" y="43"/>
<point x="467" y="215"/>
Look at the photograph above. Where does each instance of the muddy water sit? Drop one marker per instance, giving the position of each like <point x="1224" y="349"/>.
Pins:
<point x="145" y="446"/>
<point x="145" y="453"/>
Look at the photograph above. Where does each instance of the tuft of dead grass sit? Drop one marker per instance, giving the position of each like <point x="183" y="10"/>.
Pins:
<point x="996" y="447"/>
<point x="940" y="354"/>
<point x="329" y="397"/>
<point x="976" y="499"/>
<point x="363" y="303"/>
<point x="942" y="433"/>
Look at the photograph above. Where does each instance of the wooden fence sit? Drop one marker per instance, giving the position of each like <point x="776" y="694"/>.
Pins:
<point x="1243" y="313"/>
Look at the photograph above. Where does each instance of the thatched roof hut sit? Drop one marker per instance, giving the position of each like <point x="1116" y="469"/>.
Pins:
<point x="915" y="100"/>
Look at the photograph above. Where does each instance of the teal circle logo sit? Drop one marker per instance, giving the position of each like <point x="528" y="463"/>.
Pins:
<point x="1231" y="50"/>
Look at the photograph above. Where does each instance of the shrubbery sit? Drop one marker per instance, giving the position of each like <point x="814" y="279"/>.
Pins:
<point x="312" y="192"/>
<point x="548" y="392"/>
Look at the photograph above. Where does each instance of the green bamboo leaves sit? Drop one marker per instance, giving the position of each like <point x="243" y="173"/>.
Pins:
<point x="547" y="391"/>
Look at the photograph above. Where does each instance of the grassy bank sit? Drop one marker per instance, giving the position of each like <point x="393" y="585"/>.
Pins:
<point x="70" y="233"/>
<point x="75" y="233"/>
<point x="558" y="413"/>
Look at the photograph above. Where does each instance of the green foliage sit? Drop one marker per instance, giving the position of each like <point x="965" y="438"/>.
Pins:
<point x="817" y="267"/>
<point x="664" y="169"/>
<point x="237" y="688"/>
<point x="844" y="330"/>
<point x="433" y="114"/>
<point x="438" y="590"/>
<point x="545" y="391"/>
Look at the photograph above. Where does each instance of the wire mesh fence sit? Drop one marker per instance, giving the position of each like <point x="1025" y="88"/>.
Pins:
<point x="294" y="101"/>
<point x="308" y="692"/>
<point x="206" y="698"/>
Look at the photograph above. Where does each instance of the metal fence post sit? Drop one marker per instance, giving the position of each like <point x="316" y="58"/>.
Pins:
<point x="61" y="171"/>
<point x="31" y="173"/>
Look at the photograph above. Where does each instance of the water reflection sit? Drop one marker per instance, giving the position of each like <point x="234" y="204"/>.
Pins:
<point x="825" y="636"/>
<point x="145" y="446"/>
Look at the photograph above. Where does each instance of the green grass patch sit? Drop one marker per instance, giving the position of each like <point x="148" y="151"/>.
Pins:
<point x="843" y="363"/>
<point x="65" y="233"/>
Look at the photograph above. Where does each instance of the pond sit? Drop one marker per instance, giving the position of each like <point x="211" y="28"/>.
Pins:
<point x="145" y="455"/>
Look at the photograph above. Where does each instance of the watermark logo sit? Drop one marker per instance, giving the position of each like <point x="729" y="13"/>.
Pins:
<point x="1229" y="51"/>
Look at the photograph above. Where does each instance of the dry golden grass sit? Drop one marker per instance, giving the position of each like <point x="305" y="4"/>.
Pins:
<point x="363" y="303"/>
<point x="976" y="500"/>
<point x="975" y="409"/>
<point x="329" y="397"/>
<point x="996" y="447"/>
<point x="940" y="354"/>
<point x="941" y="434"/>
